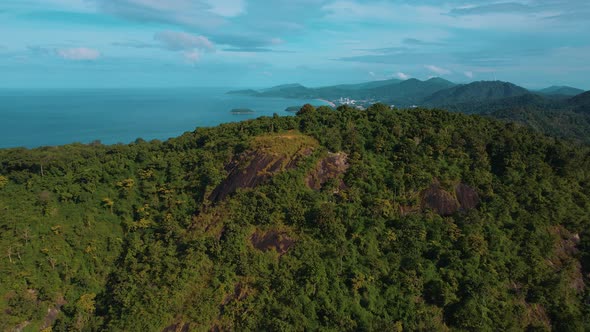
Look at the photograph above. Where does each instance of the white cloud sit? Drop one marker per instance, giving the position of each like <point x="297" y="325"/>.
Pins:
<point x="202" y="14"/>
<point x="469" y="74"/>
<point x="78" y="54"/>
<point x="192" y="56"/>
<point x="438" y="70"/>
<point x="182" y="41"/>
<point x="70" y="5"/>
<point x="432" y="15"/>
<point x="227" y="8"/>
<point x="402" y="76"/>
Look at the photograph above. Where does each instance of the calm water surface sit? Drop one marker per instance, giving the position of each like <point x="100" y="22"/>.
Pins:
<point x="32" y="118"/>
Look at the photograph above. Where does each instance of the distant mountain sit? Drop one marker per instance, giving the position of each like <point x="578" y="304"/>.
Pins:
<point x="246" y="92"/>
<point x="367" y="85"/>
<point x="412" y="91"/>
<point x="475" y="92"/>
<point x="393" y="91"/>
<point x="288" y="91"/>
<point x="283" y="87"/>
<point x="561" y="90"/>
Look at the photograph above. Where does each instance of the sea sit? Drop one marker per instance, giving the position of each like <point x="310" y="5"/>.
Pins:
<point x="49" y="117"/>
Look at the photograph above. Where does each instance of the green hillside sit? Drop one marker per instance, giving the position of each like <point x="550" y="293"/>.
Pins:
<point x="409" y="92"/>
<point x="581" y="103"/>
<point x="561" y="91"/>
<point x="554" y="117"/>
<point x="332" y="220"/>
<point x="475" y="92"/>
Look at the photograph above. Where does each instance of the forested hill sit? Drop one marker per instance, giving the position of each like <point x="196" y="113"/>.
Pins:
<point x="475" y="92"/>
<point x="561" y="91"/>
<point x="342" y="220"/>
<point x="551" y="111"/>
<point x="581" y="102"/>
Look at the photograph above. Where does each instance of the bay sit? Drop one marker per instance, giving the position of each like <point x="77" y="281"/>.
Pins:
<point x="33" y="118"/>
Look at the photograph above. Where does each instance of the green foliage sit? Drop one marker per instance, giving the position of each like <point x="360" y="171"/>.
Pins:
<point x="307" y="108"/>
<point x="123" y="237"/>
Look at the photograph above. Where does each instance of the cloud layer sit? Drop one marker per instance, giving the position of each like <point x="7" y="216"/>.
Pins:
<point x="315" y="40"/>
<point x="80" y="53"/>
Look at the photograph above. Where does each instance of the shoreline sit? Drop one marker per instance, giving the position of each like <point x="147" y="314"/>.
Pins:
<point x="327" y="101"/>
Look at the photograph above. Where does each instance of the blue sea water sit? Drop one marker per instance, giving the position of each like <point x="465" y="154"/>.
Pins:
<point x="33" y="118"/>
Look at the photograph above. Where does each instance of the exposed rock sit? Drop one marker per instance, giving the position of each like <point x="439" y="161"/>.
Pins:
<point x="439" y="201"/>
<point x="178" y="327"/>
<point x="537" y="317"/>
<point x="272" y="154"/>
<point x="20" y="327"/>
<point x="467" y="196"/>
<point x="564" y="257"/>
<point x="273" y="239"/>
<point x="330" y="167"/>
<point x="444" y="203"/>
<point x="52" y="313"/>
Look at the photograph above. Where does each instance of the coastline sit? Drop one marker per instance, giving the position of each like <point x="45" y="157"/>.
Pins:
<point x="327" y="101"/>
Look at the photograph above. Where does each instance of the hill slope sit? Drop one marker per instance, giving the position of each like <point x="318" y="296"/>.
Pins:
<point x="330" y="220"/>
<point x="581" y="102"/>
<point x="561" y="90"/>
<point x="475" y="92"/>
<point x="409" y="92"/>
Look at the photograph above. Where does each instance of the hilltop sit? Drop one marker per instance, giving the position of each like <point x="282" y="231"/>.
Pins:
<point x="561" y="91"/>
<point x="475" y="92"/>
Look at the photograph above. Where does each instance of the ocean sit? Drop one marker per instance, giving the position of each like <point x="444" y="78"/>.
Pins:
<point x="34" y="118"/>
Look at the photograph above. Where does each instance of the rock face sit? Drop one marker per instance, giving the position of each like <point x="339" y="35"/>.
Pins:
<point x="178" y="327"/>
<point x="273" y="239"/>
<point x="439" y="201"/>
<point x="444" y="203"/>
<point x="52" y="313"/>
<point x="467" y="196"/>
<point x="270" y="155"/>
<point x="564" y="252"/>
<point x="330" y="167"/>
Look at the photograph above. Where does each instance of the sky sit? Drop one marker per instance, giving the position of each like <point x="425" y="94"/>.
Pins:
<point x="259" y="43"/>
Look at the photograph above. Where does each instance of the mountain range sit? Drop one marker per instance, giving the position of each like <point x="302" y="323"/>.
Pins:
<point x="432" y="92"/>
<point x="560" y="111"/>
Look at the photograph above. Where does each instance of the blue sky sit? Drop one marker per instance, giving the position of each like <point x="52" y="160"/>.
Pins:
<point x="254" y="43"/>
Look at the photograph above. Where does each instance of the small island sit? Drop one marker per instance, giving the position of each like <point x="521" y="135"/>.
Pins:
<point x="293" y="109"/>
<point x="242" y="111"/>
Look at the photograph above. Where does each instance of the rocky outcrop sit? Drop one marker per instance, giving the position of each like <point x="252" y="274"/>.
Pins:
<point x="178" y="327"/>
<point x="273" y="239"/>
<point x="439" y="201"/>
<point x="52" y="313"/>
<point x="330" y="167"/>
<point x="468" y="197"/>
<point x="271" y="155"/>
<point x="445" y="203"/>
<point x="564" y="256"/>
